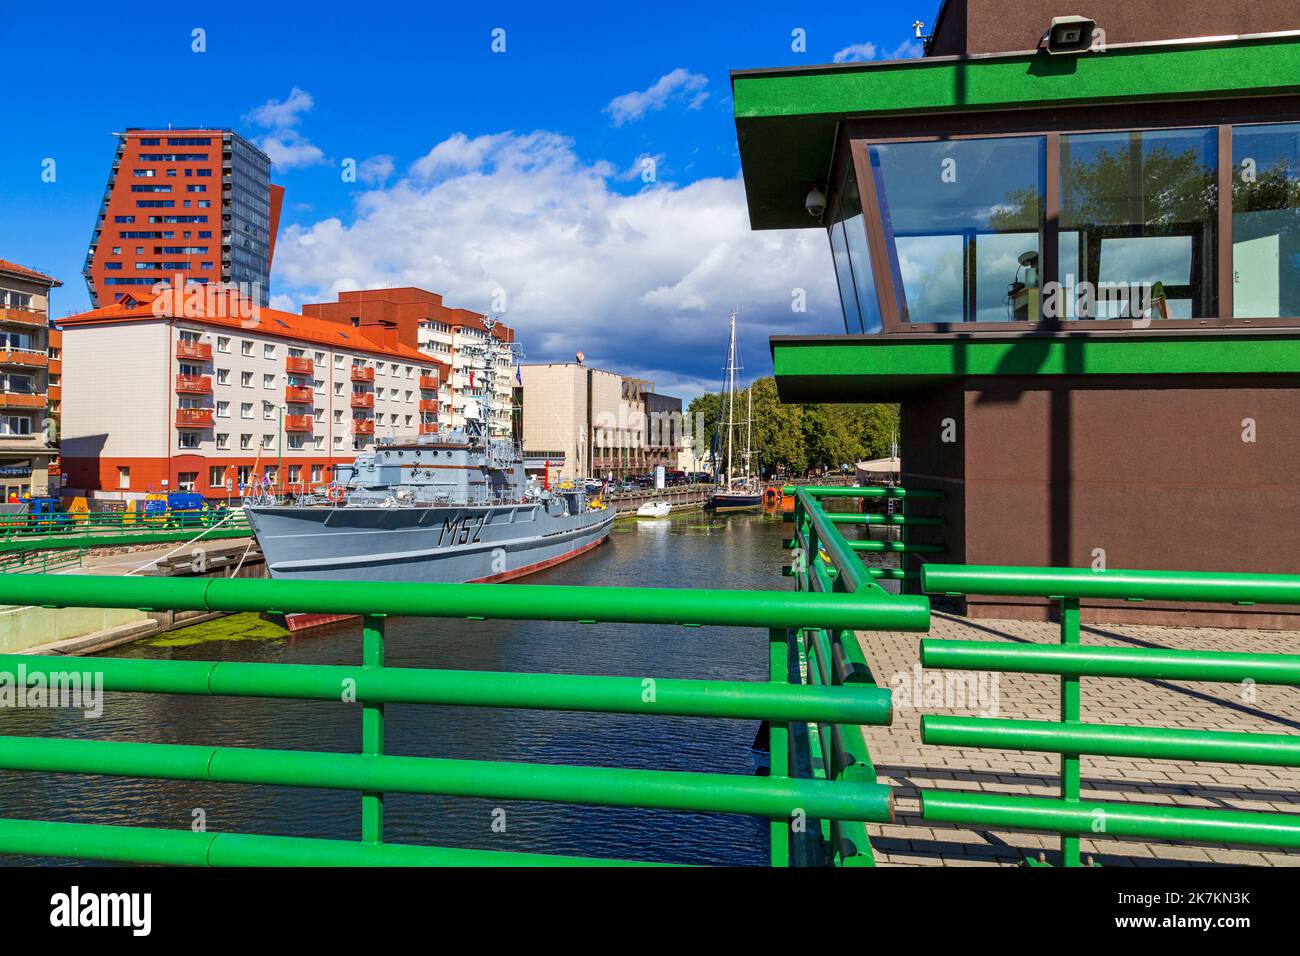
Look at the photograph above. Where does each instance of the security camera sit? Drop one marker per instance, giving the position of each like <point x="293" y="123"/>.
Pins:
<point x="815" y="202"/>
<point x="1068" y="35"/>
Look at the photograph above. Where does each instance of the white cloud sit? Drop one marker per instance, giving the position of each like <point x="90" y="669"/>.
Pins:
<point x="641" y="283"/>
<point x="277" y="114"/>
<point x="287" y="147"/>
<point x="861" y="52"/>
<point x="671" y="86"/>
<point x="376" y="169"/>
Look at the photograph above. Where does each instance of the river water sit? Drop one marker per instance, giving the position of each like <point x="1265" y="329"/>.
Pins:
<point x="689" y="550"/>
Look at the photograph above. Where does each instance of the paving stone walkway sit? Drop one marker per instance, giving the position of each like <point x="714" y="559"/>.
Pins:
<point x="903" y="762"/>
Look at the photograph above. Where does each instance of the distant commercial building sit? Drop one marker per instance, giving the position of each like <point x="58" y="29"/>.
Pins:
<point x="198" y="202"/>
<point x="588" y="422"/>
<point x="472" y="345"/>
<point x="194" y="389"/>
<point x="25" y="448"/>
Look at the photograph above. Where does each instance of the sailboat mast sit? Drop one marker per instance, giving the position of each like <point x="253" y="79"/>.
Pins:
<point x="731" y="394"/>
<point x="749" y="426"/>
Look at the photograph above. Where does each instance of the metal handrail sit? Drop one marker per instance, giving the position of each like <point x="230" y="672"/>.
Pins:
<point x="1071" y="816"/>
<point x="783" y="797"/>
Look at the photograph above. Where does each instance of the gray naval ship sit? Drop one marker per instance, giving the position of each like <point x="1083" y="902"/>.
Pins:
<point x="452" y="506"/>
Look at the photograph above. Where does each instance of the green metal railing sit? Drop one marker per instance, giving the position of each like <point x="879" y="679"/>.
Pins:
<point x="824" y="561"/>
<point x="115" y="529"/>
<point x="1070" y="815"/>
<point x="41" y="562"/>
<point x="783" y="796"/>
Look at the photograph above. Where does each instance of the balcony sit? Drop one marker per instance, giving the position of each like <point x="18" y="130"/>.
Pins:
<point x="429" y="405"/>
<point x="193" y="418"/>
<point x="298" y="423"/>
<point x="429" y="383"/>
<point x="24" y="316"/>
<point x="363" y="426"/>
<point x="21" y="400"/>
<point x="194" y="351"/>
<point x="28" y="358"/>
<point x="298" y="365"/>
<point x="428" y="428"/>
<point x="194" y="384"/>
<point x="298" y="394"/>
<point x="362" y="374"/>
<point x="363" y="400"/>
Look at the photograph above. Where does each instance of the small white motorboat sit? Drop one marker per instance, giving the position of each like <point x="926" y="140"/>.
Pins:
<point x="654" y="509"/>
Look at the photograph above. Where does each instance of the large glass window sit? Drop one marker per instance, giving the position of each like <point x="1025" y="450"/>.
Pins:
<point x="1266" y="221"/>
<point x="1138" y="224"/>
<point x="848" y="234"/>
<point x="964" y="219"/>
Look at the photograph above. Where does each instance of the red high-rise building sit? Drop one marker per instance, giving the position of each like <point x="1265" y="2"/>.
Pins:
<point x="198" y="202"/>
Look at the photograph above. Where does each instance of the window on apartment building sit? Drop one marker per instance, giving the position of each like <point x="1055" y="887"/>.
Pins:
<point x="245" y="347"/>
<point x="186" y="480"/>
<point x="408" y="420"/>
<point x="223" y="409"/>
<point x="246" y="379"/>
<point x="216" y="476"/>
<point x="223" y="343"/>
<point x="223" y="376"/>
<point x="318" y="414"/>
<point x="318" y="359"/>
<point x="268" y="380"/>
<point x="408" y="394"/>
<point x="268" y="441"/>
<point x="338" y="388"/>
<point x="223" y="439"/>
<point x="268" y="410"/>
<point x="296" y="352"/>
<point x="295" y="474"/>
<point x="117" y="251"/>
<point x="318" y="442"/>
<point x="318" y="385"/>
<point x="316" y="471"/>
<point x="15" y="425"/>
<point x="17" y="384"/>
<point x="295" y="443"/>
<point x="379" y="368"/>
<point x="338" y="441"/>
<point x="243" y="473"/>
<point x="338" y="415"/>
<point x="124" y="476"/>
<point x="338" y="361"/>
<point x="187" y="439"/>
<point x="271" y="473"/>
<point x="245" y="440"/>
<point x="187" y="369"/>
<point x="268" y="351"/>
<point x="245" y="409"/>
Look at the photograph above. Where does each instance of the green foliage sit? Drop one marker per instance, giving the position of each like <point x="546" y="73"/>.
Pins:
<point x="794" y="439"/>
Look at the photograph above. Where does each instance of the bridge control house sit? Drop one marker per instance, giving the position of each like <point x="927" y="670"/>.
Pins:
<point x="1075" y="266"/>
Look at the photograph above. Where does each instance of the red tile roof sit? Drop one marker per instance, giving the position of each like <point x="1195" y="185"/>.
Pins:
<point x="209" y="305"/>
<point x="15" y="269"/>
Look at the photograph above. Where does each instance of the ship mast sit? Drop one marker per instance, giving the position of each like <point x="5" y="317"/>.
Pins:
<point x="731" y="394"/>
<point x="749" y="426"/>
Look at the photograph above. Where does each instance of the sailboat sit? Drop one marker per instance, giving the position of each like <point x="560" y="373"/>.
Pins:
<point x="736" y="492"/>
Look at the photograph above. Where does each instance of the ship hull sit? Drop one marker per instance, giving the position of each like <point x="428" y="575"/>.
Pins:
<point x="450" y="544"/>
<point x="732" y="501"/>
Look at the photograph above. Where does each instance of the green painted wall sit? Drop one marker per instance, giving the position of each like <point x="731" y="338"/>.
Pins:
<point x="893" y="367"/>
<point x="1243" y="67"/>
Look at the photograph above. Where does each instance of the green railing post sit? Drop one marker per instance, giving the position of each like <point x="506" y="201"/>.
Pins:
<point x="372" y="727"/>
<point x="1070" y="712"/>
<point x="778" y="740"/>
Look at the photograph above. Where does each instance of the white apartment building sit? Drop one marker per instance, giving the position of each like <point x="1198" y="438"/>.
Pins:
<point x="208" y="399"/>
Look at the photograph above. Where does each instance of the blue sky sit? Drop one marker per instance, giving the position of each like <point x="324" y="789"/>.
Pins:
<point x="482" y="171"/>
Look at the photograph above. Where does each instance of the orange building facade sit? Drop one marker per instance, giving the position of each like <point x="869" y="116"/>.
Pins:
<point x="194" y="202"/>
